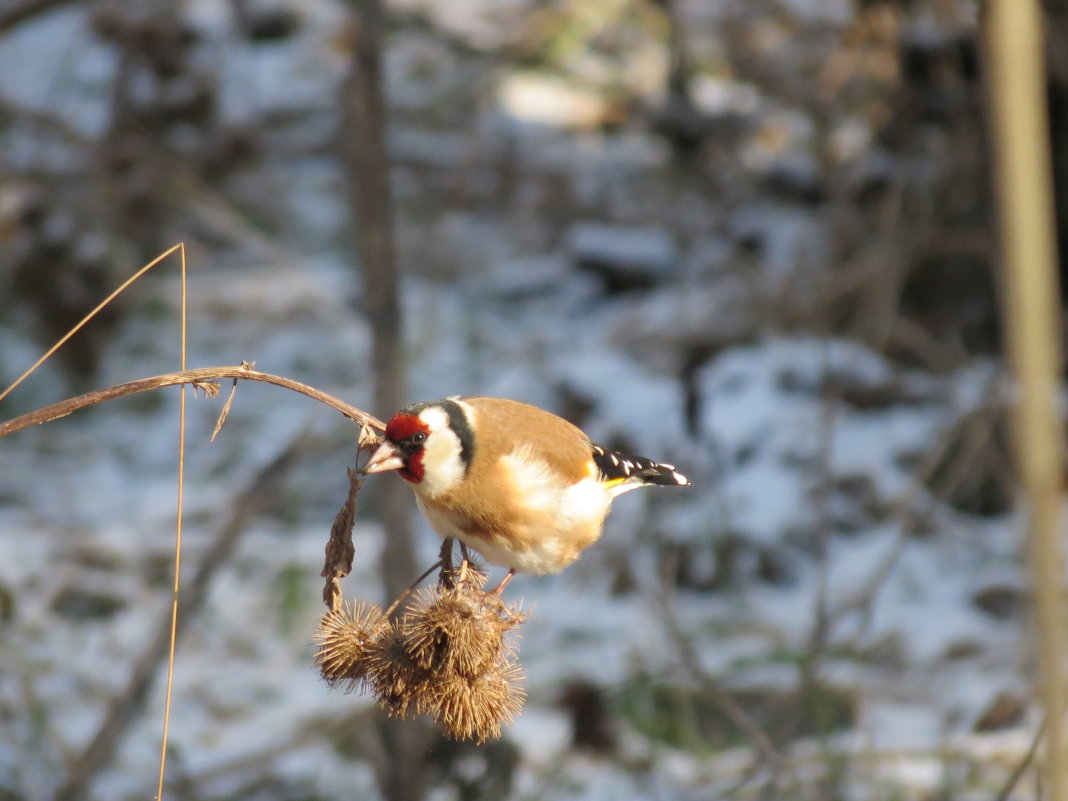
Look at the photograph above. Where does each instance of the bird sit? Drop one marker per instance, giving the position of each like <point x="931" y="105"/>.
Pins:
<point x="524" y="488"/>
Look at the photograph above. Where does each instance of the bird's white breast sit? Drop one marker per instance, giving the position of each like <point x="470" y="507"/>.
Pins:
<point x="549" y="515"/>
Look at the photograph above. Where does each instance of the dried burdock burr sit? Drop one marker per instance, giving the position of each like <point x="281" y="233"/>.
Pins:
<point x="344" y="638"/>
<point x="392" y="675"/>
<point x="442" y="652"/>
<point x="475" y="707"/>
<point x="447" y="656"/>
<point x="457" y="630"/>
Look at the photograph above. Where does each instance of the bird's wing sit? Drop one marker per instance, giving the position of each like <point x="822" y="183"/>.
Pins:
<point x="508" y="426"/>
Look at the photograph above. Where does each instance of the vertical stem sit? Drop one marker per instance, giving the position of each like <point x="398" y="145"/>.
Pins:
<point x="370" y="197"/>
<point x="366" y="165"/>
<point x="1025" y="198"/>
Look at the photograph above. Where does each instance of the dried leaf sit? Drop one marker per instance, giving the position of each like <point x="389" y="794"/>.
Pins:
<point x="225" y="412"/>
<point x="339" y="548"/>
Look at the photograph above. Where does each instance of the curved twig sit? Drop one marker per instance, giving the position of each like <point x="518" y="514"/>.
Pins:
<point x="202" y="376"/>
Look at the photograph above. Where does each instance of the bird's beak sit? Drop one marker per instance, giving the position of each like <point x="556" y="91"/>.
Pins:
<point x="387" y="457"/>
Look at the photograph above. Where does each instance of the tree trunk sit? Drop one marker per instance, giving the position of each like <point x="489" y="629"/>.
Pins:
<point x="366" y="166"/>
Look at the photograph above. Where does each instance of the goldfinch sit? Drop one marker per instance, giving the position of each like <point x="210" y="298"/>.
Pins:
<point x="519" y="485"/>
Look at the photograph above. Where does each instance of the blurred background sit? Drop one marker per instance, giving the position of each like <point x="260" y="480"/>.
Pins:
<point x="753" y="238"/>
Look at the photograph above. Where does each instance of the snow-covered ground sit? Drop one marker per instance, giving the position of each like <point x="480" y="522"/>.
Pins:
<point x="810" y="563"/>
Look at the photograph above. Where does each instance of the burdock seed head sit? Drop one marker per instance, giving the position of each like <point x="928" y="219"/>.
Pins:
<point x="343" y="637"/>
<point x="475" y="708"/>
<point x="458" y="630"/>
<point x="399" y="684"/>
<point x="473" y="571"/>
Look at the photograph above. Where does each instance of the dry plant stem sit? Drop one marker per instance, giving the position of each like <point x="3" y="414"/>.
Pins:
<point x="128" y="705"/>
<point x="1025" y="205"/>
<point x="179" y="248"/>
<point x="448" y="578"/>
<point x="499" y="589"/>
<point x="200" y="377"/>
<point x="172" y="644"/>
<point x="411" y="588"/>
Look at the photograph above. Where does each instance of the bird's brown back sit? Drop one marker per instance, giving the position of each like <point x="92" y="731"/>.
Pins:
<point x="505" y="425"/>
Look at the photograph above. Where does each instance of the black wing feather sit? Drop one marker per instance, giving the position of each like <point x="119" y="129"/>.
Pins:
<point x="615" y="466"/>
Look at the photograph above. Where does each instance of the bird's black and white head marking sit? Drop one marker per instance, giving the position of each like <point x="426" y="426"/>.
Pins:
<point x="435" y="435"/>
<point x="461" y="427"/>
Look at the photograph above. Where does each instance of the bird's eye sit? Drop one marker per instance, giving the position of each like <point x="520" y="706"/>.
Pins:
<point x="419" y="437"/>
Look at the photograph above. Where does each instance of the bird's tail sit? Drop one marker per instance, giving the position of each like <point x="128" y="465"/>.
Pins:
<point x="623" y="472"/>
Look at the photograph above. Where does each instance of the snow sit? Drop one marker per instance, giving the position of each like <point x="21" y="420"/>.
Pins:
<point x="644" y="252"/>
<point x="544" y="100"/>
<point x="494" y="305"/>
<point x="77" y="81"/>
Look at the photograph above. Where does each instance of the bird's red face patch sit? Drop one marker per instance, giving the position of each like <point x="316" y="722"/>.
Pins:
<point x="408" y="433"/>
<point x="402" y="426"/>
<point x="413" y="468"/>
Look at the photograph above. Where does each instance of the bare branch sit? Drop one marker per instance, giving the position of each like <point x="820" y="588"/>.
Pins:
<point x="18" y="13"/>
<point x="199" y="377"/>
<point x="1021" y="767"/>
<point x="749" y="727"/>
